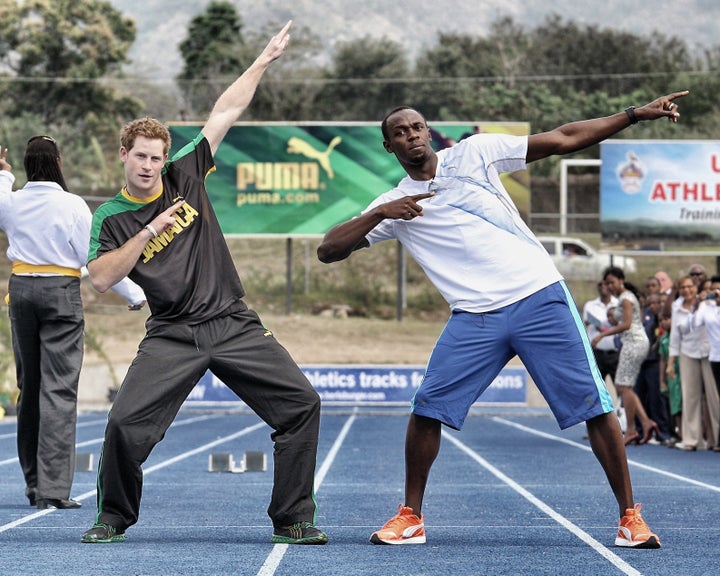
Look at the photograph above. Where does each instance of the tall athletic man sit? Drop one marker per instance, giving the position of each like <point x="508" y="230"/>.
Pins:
<point x="162" y="232"/>
<point x="455" y="218"/>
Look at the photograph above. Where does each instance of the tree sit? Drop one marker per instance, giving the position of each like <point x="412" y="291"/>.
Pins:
<point x="212" y="50"/>
<point x="585" y="58"/>
<point x="54" y="55"/>
<point x="367" y="78"/>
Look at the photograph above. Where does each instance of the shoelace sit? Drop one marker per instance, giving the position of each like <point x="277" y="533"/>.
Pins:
<point x="296" y="530"/>
<point x="396" y="520"/>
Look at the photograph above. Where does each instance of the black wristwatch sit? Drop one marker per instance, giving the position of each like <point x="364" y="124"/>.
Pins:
<point x="630" y="111"/>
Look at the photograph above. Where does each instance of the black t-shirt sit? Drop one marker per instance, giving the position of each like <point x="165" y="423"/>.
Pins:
<point x="187" y="273"/>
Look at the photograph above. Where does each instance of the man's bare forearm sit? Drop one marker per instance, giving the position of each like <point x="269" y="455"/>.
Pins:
<point x="345" y="238"/>
<point x="108" y="269"/>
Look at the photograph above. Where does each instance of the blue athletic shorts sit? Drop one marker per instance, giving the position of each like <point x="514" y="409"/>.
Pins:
<point x="544" y="330"/>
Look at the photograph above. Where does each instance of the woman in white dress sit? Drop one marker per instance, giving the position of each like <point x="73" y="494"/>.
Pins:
<point x="635" y="346"/>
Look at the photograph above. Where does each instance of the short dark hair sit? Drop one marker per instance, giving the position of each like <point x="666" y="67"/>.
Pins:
<point x="383" y="125"/>
<point x="614" y="271"/>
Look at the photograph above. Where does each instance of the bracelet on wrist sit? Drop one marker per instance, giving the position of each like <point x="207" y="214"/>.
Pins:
<point x="630" y="111"/>
<point x="152" y="231"/>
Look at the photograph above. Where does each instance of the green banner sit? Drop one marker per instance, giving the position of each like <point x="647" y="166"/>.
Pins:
<point x="301" y="179"/>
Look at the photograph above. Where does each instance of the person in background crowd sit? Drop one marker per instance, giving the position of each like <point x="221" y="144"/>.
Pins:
<point x="666" y="283"/>
<point x="635" y="346"/>
<point x="692" y="348"/>
<point x="707" y="314"/>
<point x="595" y="316"/>
<point x="698" y="275"/>
<point x="670" y="385"/>
<point x="652" y="286"/>
<point x="48" y="231"/>
<point x="647" y="386"/>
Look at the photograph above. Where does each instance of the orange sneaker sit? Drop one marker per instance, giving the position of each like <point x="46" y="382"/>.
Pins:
<point x="634" y="533"/>
<point x="403" y="528"/>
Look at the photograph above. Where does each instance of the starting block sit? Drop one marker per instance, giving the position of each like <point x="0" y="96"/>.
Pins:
<point x="83" y="462"/>
<point x="255" y="462"/>
<point x="251" y="462"/>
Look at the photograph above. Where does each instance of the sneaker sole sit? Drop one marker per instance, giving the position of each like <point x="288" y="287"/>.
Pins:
<point x="651" y="542"/>
<point x="310" y="541"/>
<point x="375" y="539"/>
<point x="112" y="540"/>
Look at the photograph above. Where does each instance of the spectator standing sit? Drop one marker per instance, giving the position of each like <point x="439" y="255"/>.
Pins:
<point x="708" y="315"/>
<point x="692" y="348"/>
<point x="666" y="283"/>
<point x="647" y="386"/>
<point x="670" y="385"/>
<point x="635" y="346"/>
<point x="595" y="316"/>
<point x="652" y="286"/>
<point x="48" y="231"/>
<point x="698" y="274"/>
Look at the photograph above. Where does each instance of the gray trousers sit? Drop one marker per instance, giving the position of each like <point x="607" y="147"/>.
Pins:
<point x="46" y="316"/>
<point x="244" y="355"/>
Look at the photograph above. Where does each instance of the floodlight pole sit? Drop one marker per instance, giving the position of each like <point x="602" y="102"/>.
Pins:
<point x="564" y="163"/>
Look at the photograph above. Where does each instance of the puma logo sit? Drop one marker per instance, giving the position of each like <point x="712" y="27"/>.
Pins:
<point x="298" y="146"/>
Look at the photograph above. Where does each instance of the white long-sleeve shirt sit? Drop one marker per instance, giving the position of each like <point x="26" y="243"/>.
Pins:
<point x="49" y="228"/>
<point x="708" y="316"/>
<point x="691" y="343"/>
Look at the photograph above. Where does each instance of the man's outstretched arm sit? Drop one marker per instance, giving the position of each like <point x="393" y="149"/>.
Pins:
<point x="578" y="135"/>
<point x="232" y="103"/>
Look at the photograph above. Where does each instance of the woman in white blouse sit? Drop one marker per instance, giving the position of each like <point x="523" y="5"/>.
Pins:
<point x="690" y="344"/>
<point x="708" y="316"/>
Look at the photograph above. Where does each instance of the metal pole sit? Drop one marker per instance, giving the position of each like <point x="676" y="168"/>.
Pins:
<point x="402" y="281"/>
<point x="307" y="267"/>
<point x="288" y="276"/>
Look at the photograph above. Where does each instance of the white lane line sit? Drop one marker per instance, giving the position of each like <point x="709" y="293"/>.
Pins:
<point x="79" y="425"/>
<point x="99" y="440"/>
<point x="564" y="522"/>
<point x="146" y="471"/>
<point x="276" y="554"/>
<point x="654" y="469"/>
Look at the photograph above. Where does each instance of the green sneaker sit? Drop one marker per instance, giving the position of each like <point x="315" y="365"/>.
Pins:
<point x="299" y="533"/>
<point x="102" y="534"/>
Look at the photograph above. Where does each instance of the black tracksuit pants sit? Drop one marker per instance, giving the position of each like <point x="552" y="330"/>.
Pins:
<point x="246" y="357"/>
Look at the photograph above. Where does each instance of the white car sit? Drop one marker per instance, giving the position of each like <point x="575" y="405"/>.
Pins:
<point x="577" y="260"/>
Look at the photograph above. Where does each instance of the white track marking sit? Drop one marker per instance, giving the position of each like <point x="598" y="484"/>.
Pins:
<point x="564" y="522"/>
<point x="276" y="554"/>
<point x="100" y="439"/>
<point x="660" y="471"/>
<point x="146" y="471"/>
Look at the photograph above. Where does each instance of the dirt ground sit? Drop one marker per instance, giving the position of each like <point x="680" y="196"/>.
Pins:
<point x="309" y="339"/>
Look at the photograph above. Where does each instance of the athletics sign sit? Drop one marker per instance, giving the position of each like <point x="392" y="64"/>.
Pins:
<point x="302" y="179"/>
<point x="655" y="192"/>
<point x="374" y="384"/>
